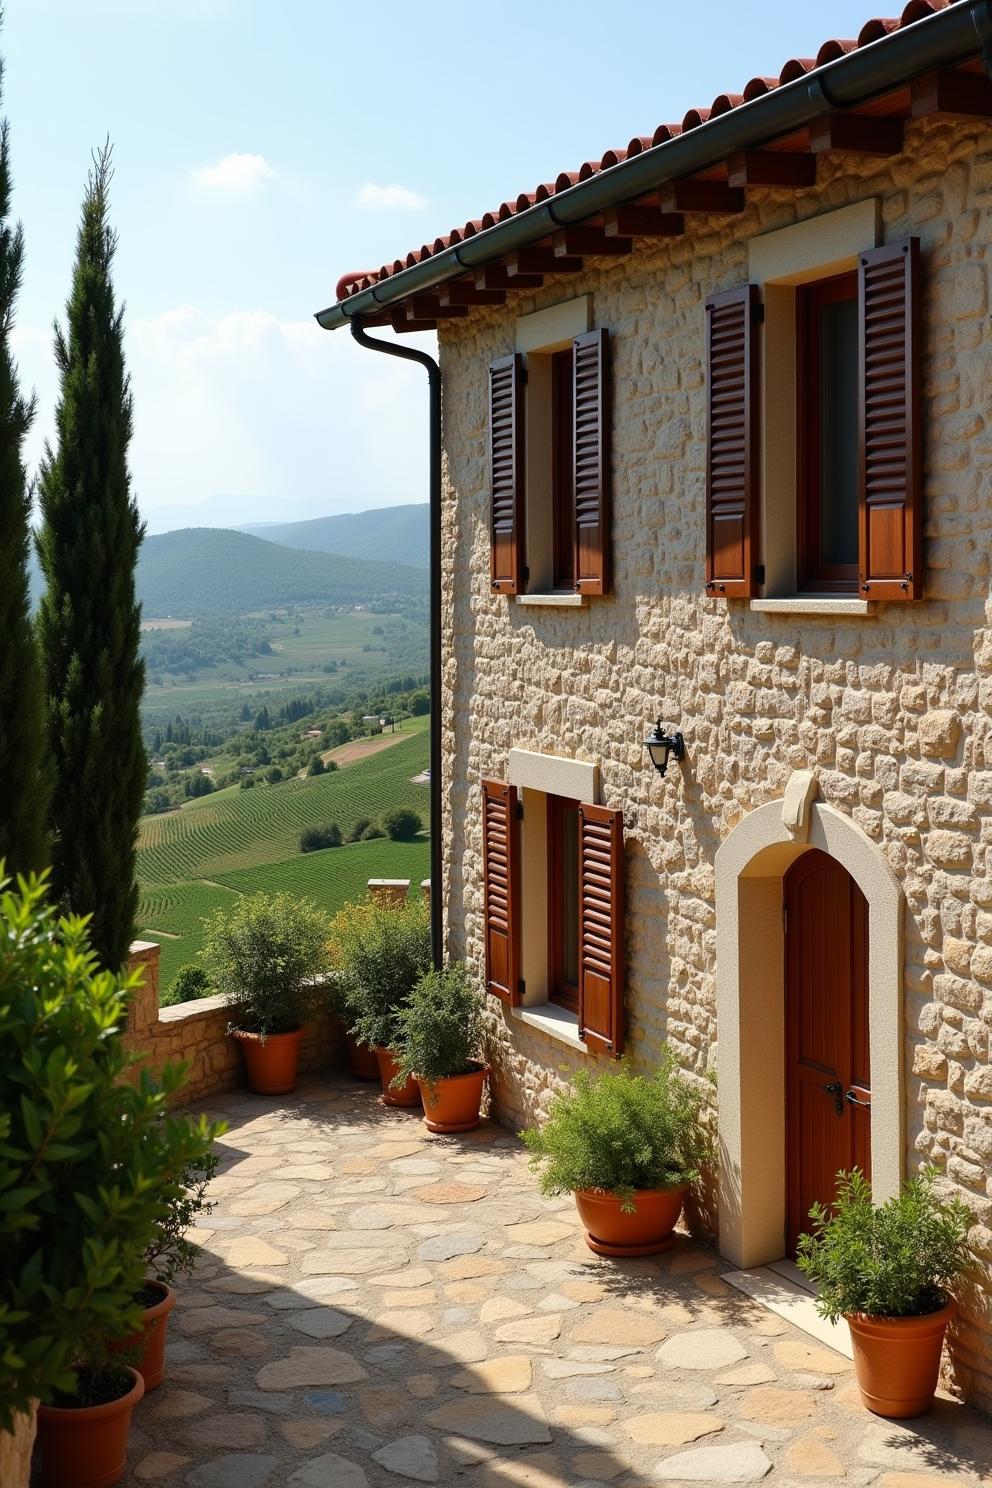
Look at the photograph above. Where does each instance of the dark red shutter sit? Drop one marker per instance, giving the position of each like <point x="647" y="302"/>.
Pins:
<point x="500" y="860"/>
<point x="601" y="928"/>
<point x="890" y="531"/>
<point x="506" y="472"/>
<point x="732" y="463"/>
<point x="591" y="462"/>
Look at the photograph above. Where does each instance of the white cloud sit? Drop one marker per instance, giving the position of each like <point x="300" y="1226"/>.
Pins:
<point x="283" y="419"/>
<point x="390" y="198"/>
<point x="237" y="174"/>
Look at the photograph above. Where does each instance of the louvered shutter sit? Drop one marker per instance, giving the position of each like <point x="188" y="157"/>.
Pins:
<point x="500" y="859"/>
<point x="890" y="530"/>
<point x="732" y="466"/>
<point x="601" y="928"/>
<point x="591" y="462"/>
<point x="506" y="472"/>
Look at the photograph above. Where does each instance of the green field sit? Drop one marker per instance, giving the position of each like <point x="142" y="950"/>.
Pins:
<point x="192" y="861"/>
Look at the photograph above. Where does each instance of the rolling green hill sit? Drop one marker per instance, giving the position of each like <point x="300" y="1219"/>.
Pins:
<point x="242" y="841"/>
<point x="394" y="533"/>
<point x="203" y="569"/>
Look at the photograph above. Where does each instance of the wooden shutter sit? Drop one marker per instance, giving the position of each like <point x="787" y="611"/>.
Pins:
<point x="732" y="465"/>
<point x="500" y="859"/>
<point x="506" y="472"/>
<point x="591" y="462"/>
<point x="601" y="927"/>
<point x="890" y="454"/>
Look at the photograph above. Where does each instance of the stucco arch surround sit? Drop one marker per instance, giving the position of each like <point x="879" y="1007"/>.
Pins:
<point x="750" y="866"/>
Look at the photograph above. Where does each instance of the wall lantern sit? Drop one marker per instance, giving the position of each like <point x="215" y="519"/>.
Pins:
<point x="662" y="746"/>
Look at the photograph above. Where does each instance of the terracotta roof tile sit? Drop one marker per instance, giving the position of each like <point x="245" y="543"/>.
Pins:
<point x="796" y="67"/>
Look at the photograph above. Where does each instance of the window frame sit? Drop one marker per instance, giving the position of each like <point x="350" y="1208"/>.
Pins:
<point x="563" y="534"/>
<point x="561" y="991"/>
<point x="813" y="576"/>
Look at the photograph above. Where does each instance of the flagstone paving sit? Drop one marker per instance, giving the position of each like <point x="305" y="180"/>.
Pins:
<point x="376" y="1306"/>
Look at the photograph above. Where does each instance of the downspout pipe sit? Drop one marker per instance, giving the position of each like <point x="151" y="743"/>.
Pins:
<point x="951" y="35"/>
<point x="430" y="366"/>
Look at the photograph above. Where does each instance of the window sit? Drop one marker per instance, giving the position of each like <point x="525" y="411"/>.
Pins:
<point x="562" y="476"/>
<point x="563" y="902"/>
<point x="827" y="435"/>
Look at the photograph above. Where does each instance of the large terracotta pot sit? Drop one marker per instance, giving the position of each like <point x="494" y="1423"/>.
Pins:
<point x="611" y="1232"/>
<point x="407" y="1094"/>
<point x="452" y="1104"/>
<point x="897" y="1360"/>
<point x="270" y="1062"/>
<point x="150" y="1338"/>
<point x="361" y="1060"/>
<point x="86" y="1446"/>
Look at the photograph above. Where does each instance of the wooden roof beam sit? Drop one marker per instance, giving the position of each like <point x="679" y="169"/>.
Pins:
<point x="539" y="261"/>
<point x="462" y="292"/>
<point x="694" y="195"/>
<point x="494" y="276"/>
<point x="642" y="222"/>
<point x="965" y="95"/>
<point x="429" y="307"/>
<point x="402" y="325"/>
<point x="857" y="134"/>
<point x="591" y="240"/>
<point x="770" y="168"/>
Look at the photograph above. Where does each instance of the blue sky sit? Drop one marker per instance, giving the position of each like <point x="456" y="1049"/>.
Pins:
<point x="254" y="145"/>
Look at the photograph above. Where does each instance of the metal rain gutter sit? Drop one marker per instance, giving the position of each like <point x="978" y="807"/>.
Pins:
<point x="961" y="31"/>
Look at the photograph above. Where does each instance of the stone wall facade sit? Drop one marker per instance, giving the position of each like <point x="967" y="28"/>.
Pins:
<point x="892" y="710"/>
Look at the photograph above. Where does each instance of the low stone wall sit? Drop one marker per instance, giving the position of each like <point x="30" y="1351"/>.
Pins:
<point x="196" y="1032"/>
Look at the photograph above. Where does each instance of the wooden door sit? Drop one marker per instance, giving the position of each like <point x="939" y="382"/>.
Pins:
<point x="828" y="1084"/>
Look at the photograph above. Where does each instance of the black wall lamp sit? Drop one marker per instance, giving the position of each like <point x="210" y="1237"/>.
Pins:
<point x="662" y="747"/>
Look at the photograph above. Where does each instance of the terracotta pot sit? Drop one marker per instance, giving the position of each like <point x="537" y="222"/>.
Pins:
<point x="150" y="1338"/>
<point x="611" y="1232"/>
<point x="452" y="1105"/>
<point x="407" y="1094"/>
<point x="86" y="1446"/>
<point x="270" y="1062"/>
<point x="897" y="1360"/>
<point x="361" y="1060"/>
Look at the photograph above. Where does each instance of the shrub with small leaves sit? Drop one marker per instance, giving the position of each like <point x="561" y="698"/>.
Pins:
<point x="268" y="955"/>
<point x="189" y="983"/>
<point x="619" y="1131"/>
<point x="380" y="952"/>
<point x="894" y="1260"/>
<point x="440" y="1028"/>
<point x="402" y="825"/>
<point x="170" y="1255"/>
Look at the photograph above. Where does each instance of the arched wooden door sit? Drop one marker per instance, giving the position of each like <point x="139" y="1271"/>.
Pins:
<point x="828" y="1079"/>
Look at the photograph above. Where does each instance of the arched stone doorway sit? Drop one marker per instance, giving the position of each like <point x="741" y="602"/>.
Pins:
<point x="751" y="869"/>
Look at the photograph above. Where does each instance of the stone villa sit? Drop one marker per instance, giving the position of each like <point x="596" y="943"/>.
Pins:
<point x="717" y="452"/>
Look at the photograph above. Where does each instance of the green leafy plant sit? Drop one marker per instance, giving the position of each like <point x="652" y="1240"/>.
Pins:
<point x="380" y="951"/>
<point x="440" y="1027"/>
<point x="268" y="956"/>
<point x="170" y="1255"/>
<point x="189" y="983"/>
<point x="619" y="1132"/>
<point x="402" y="824"/>
<point x="90" y="1158"/>
<point x="893" y="1260"/>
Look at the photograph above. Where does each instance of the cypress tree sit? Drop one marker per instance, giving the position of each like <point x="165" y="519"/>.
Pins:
<point x="23" y="796"/>
<point x="89" y="621"/>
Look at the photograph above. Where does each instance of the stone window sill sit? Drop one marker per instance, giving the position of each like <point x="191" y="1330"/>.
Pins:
<point x="561" y="600"/>
<point x="557" y="1022"/>
<point x="806" y="604"/>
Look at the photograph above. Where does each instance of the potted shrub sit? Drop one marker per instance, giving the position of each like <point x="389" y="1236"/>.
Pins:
<point x="84" y="1142"/>
<point x="268" y="955"/>
<point x="440" y="1043"/>
<point x="362" y="1062"/>
<point x="384" y="950"/>
<point x="168" y="1256"/>
<point x="628" y="1146"/>
<point x="886" y="1270"/>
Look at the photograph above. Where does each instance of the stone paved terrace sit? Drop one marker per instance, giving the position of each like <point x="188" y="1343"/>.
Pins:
<point x="376" y="1306"/>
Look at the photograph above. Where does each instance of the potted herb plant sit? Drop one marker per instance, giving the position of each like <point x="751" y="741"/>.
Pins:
<point x="168" y="1256"/>
<point x="886" y="1269"/>
<point x="384" y="950"/>
<point x="268" y="955"/>
<point x="84" y="1143"/>
<point x="440" y="1043"/>
<point x="628" y="1146"/>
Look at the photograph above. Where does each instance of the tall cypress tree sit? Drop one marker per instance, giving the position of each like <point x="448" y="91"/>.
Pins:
<point x="23" y="795"/>
<point x="89" y="621"/>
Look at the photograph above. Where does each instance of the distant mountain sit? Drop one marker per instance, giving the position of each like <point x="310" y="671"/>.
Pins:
<point x="397" y="534"/>
<point x="214" y="569"/>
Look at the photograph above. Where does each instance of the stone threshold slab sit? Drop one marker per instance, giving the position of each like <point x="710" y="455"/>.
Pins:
<point x="769" y="1288"/>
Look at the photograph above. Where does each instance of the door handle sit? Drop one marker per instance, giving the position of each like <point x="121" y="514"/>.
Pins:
<point x="836" y="1089"/>
<point x="852" y="1100"/>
